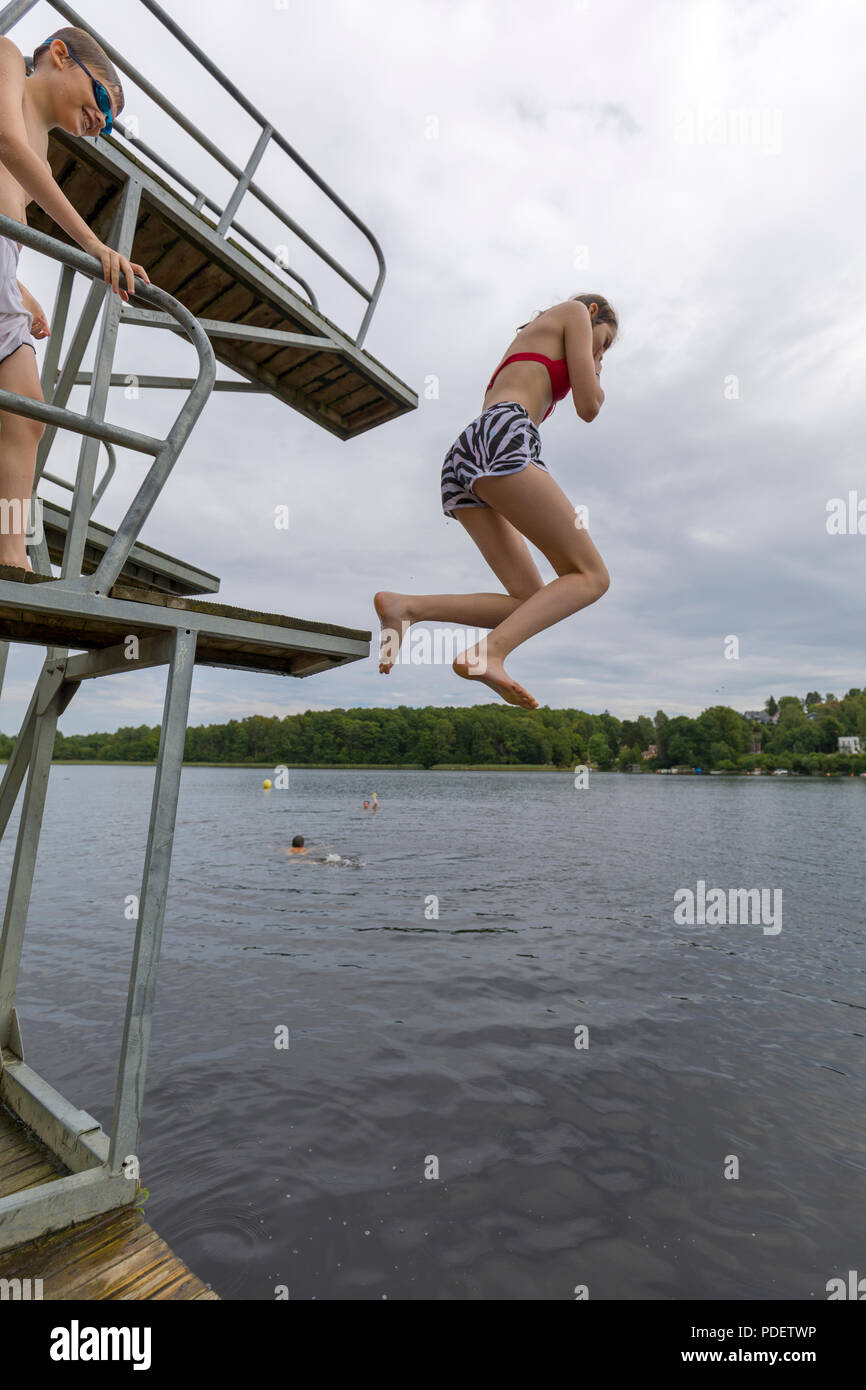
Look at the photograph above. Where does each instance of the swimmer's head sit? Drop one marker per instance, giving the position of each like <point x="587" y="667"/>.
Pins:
<point x="297" y="841"/>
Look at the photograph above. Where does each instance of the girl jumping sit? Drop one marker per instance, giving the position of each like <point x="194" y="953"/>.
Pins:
<point x="489" y="487"/>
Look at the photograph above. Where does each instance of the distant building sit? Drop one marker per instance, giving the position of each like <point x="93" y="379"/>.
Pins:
<point x="760" y="715"/>
<point x="651" y="752"/>
<point x="848" y="745"/>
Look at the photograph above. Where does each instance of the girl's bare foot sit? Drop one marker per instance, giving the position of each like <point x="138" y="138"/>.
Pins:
<point x="475" y="664"/>
<point x="393" y="612"/>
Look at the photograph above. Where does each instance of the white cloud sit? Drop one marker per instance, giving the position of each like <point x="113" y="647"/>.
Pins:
<point x="725" y="258"/>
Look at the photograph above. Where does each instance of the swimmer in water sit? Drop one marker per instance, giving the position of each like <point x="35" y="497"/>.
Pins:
<point x="326" y="857"/>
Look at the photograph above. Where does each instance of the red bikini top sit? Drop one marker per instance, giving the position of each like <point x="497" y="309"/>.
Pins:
<point x="560" y="384"/>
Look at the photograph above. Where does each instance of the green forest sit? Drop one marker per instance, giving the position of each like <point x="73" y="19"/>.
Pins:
<point x="800" y="736"/>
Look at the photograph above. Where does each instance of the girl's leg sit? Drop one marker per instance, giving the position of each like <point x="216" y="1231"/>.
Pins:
<point x="530" y="504"/>
<point x="508" y="556"/>
<point x="536" y="505"/>
<point x="19" y="440"/>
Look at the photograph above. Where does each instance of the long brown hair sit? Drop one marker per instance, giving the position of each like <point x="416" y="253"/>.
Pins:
<point x="606" y="312"/>
<point x="91" y="54"/>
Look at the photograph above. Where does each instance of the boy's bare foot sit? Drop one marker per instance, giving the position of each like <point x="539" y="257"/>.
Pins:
<point x="475" y="664"/>
<point x="393" y="612"/>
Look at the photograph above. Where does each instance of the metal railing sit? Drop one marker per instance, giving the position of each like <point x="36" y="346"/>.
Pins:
<point x="245" y="183"/>
<point x="106" y="478"/>
<point x="166" y="450"/>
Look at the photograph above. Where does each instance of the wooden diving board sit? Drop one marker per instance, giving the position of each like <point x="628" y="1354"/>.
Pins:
<point x="37" y="609"/>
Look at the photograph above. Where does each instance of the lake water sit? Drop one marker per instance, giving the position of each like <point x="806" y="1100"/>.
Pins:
<point x="417" y="1040"/>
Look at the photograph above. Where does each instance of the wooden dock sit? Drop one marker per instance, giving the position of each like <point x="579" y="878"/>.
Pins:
<point x="115" y="1256"/>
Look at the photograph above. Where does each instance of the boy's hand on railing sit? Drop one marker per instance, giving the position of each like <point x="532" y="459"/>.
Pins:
<point x="39" y="321"/>
<point x="39" y="325"/>
<point x="113" y="265"/>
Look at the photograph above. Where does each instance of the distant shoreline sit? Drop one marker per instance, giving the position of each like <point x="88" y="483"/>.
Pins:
<point x="445" y="767"/>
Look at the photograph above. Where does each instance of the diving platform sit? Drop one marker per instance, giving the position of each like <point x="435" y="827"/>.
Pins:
<point x="262" y="327"/>
<point x="40" y="612"/>
<point x="117" y="605"/>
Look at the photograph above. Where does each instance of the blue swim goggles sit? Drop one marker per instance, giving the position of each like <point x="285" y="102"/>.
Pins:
<point x="103" y="100"/>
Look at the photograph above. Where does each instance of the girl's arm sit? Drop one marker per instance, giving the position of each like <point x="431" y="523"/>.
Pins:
<point x="586" y="387"/>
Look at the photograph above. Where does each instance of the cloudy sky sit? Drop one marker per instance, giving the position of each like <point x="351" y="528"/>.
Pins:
<point x="698" y="163"/>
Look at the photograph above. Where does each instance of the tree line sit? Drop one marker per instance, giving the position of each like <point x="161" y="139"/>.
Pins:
<point x="802" y="739"/>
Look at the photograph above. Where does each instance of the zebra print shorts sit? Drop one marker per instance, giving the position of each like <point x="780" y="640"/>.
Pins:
<point x="502" y="439"/>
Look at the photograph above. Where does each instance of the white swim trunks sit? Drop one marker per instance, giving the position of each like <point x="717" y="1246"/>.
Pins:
<point x="14" y="319"/>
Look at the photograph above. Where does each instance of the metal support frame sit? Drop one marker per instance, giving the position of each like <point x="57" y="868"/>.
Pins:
<point x="93" y="425"/>
<point x="99" y="1181"/>
<point x="57" y="388"/>
<point x="102" y="1177"/>
<point x="126" y="1123"/>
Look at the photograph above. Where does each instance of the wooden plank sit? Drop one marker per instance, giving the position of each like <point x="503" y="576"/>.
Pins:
<point x="116" y="1255"/>
<point x="22" y="1151"/>
<point x="372" y="415"/>
<point x="165" y="1277"/>
<point x="307" y="375"/>
<point x="214" y="293"/>
<point x="317" y="372"/>
<point x="29" y="1177"/>
<point x="113" y="1256"/>
<point x="23" y="1157"/>
<point x="154" y="240"/>
<point x="334" y="385"/>
<point x="67" y="1255"/>
<point x="263" y="315"/>
<point x="97" y="1280"/>
<point x="11" y="1139"/>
